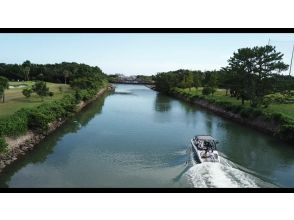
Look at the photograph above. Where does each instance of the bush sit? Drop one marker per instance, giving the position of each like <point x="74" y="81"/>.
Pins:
<point x="41" y="89"/>
<point x="247" y="112"/>
<point x="236" y="108"/>
<point x="15" y="124"/>
<point x="51" y="94"/>
<point x="277" y="117"/>
<point x="266" y="102"/>
<point x="255" y="112"/>
<point x="39" y="120"/>
<point x="207" y="91"/>
<point x="84" y="94"/>
<point x="68" y="102"/>
<point x="27" y="92"/>
<point x="40" y="117"/>
<point x="280" y="98"/>
<point x="3" y="145"/>
<point x="281" y="118"/>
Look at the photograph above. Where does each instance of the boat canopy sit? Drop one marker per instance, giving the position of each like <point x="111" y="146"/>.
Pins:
<point x="205" y="137"/>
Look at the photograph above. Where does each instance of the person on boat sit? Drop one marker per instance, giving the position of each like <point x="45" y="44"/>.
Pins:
<point x="208" y="148"/>
<point x="197" y="142"/>
<point x="200" y="145"/>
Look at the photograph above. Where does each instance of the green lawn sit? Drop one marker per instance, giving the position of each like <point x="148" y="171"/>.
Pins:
<point x="220" y="94"/>
<point x="15" y="100"/>
<point x="287" y="109"/>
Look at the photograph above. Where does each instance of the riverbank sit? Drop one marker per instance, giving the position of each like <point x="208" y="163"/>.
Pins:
<point x="275" y="124"/>
<point x="20" y="145"/>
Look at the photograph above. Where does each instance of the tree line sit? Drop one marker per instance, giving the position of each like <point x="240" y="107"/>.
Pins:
<point x="56" y="73"/>
<point x="79" y="76"/>
<point x="251" y="74"/>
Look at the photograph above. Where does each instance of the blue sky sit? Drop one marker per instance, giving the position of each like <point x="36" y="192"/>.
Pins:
<point x="136" y="53"/>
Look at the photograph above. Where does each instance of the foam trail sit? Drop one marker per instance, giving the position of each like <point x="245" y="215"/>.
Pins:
<point x="225" y="174"/>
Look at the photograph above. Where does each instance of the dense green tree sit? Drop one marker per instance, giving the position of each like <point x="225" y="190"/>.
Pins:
<point x="266" y="63"/>
<point x="4" y="84"/>
<point x="251" y="71"/>
<point x="212" y="83"/>
<point x="26" y="66"/>
<point x="166" y="81"/>
<point x="189" y="80"/>
<point x="50" y="72"/>
<point x="196" y="80"/>
<point x="66" y="74"/>
<point x="41" y="89"/>
<point x="85" y="83"/>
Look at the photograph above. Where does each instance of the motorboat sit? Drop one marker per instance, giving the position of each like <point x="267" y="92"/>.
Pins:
<point x="204" y="148"/>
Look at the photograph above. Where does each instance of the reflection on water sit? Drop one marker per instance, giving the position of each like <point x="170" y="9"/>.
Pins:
<point x="45" y="148"/>
<point x="162" y="103"/>
<point x="136" y="137"/>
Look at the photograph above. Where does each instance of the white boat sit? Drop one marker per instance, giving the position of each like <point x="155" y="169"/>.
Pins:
<point x="204" y="148"/>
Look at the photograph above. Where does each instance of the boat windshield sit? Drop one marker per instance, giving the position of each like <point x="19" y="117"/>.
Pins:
<point x="205" y="144"/>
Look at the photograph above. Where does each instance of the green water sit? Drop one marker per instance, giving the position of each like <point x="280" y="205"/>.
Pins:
<point x="136" y="137"/>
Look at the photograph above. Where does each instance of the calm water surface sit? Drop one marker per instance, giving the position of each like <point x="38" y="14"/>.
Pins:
<point x="136" y="137"/>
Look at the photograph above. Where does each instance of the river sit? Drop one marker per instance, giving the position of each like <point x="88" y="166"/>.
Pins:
<point x="136" y="137"/>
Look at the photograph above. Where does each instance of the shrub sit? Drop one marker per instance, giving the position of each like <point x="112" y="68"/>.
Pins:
<point x="207" y="91"/>
<point x="40" y="117"/>
<point x="236" y="108"/>
<point x="15" y="124"/>
<point x="84" y="95"/>
<point x="266" y="102"/>
<point x="256" y="112"/>
<point x="51" y="94"/>
<point x="3" y="145"/>
<point x="27" y="92"/>
<point x="281" y="118"/>
<point x="39" y="120"/>
<point x="41" y="89"/>
<point x="195" y="97"/>
<point x="246" y="112"/>
<point x="281" y="98"/>
<point x="69" y="102"/>
<point x="278" y="117"/>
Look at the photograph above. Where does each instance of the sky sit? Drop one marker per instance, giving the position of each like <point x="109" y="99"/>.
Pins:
<point x="133" y="54"/>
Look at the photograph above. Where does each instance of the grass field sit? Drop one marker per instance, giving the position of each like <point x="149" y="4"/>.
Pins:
<point x="15" y="100"/>
<point x="220" y="94"/>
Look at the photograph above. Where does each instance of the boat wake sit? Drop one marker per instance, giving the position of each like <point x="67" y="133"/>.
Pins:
<point x="225" y="174"/>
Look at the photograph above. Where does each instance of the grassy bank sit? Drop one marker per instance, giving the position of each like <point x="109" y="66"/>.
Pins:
<point x="38" y="118"/>
<point x="281" y="115"/>
<point x="15" y="100"/>
<point x="220" y="96"/>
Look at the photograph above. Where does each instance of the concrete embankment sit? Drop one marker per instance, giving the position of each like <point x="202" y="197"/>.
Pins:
<point x="19" y="146"/>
